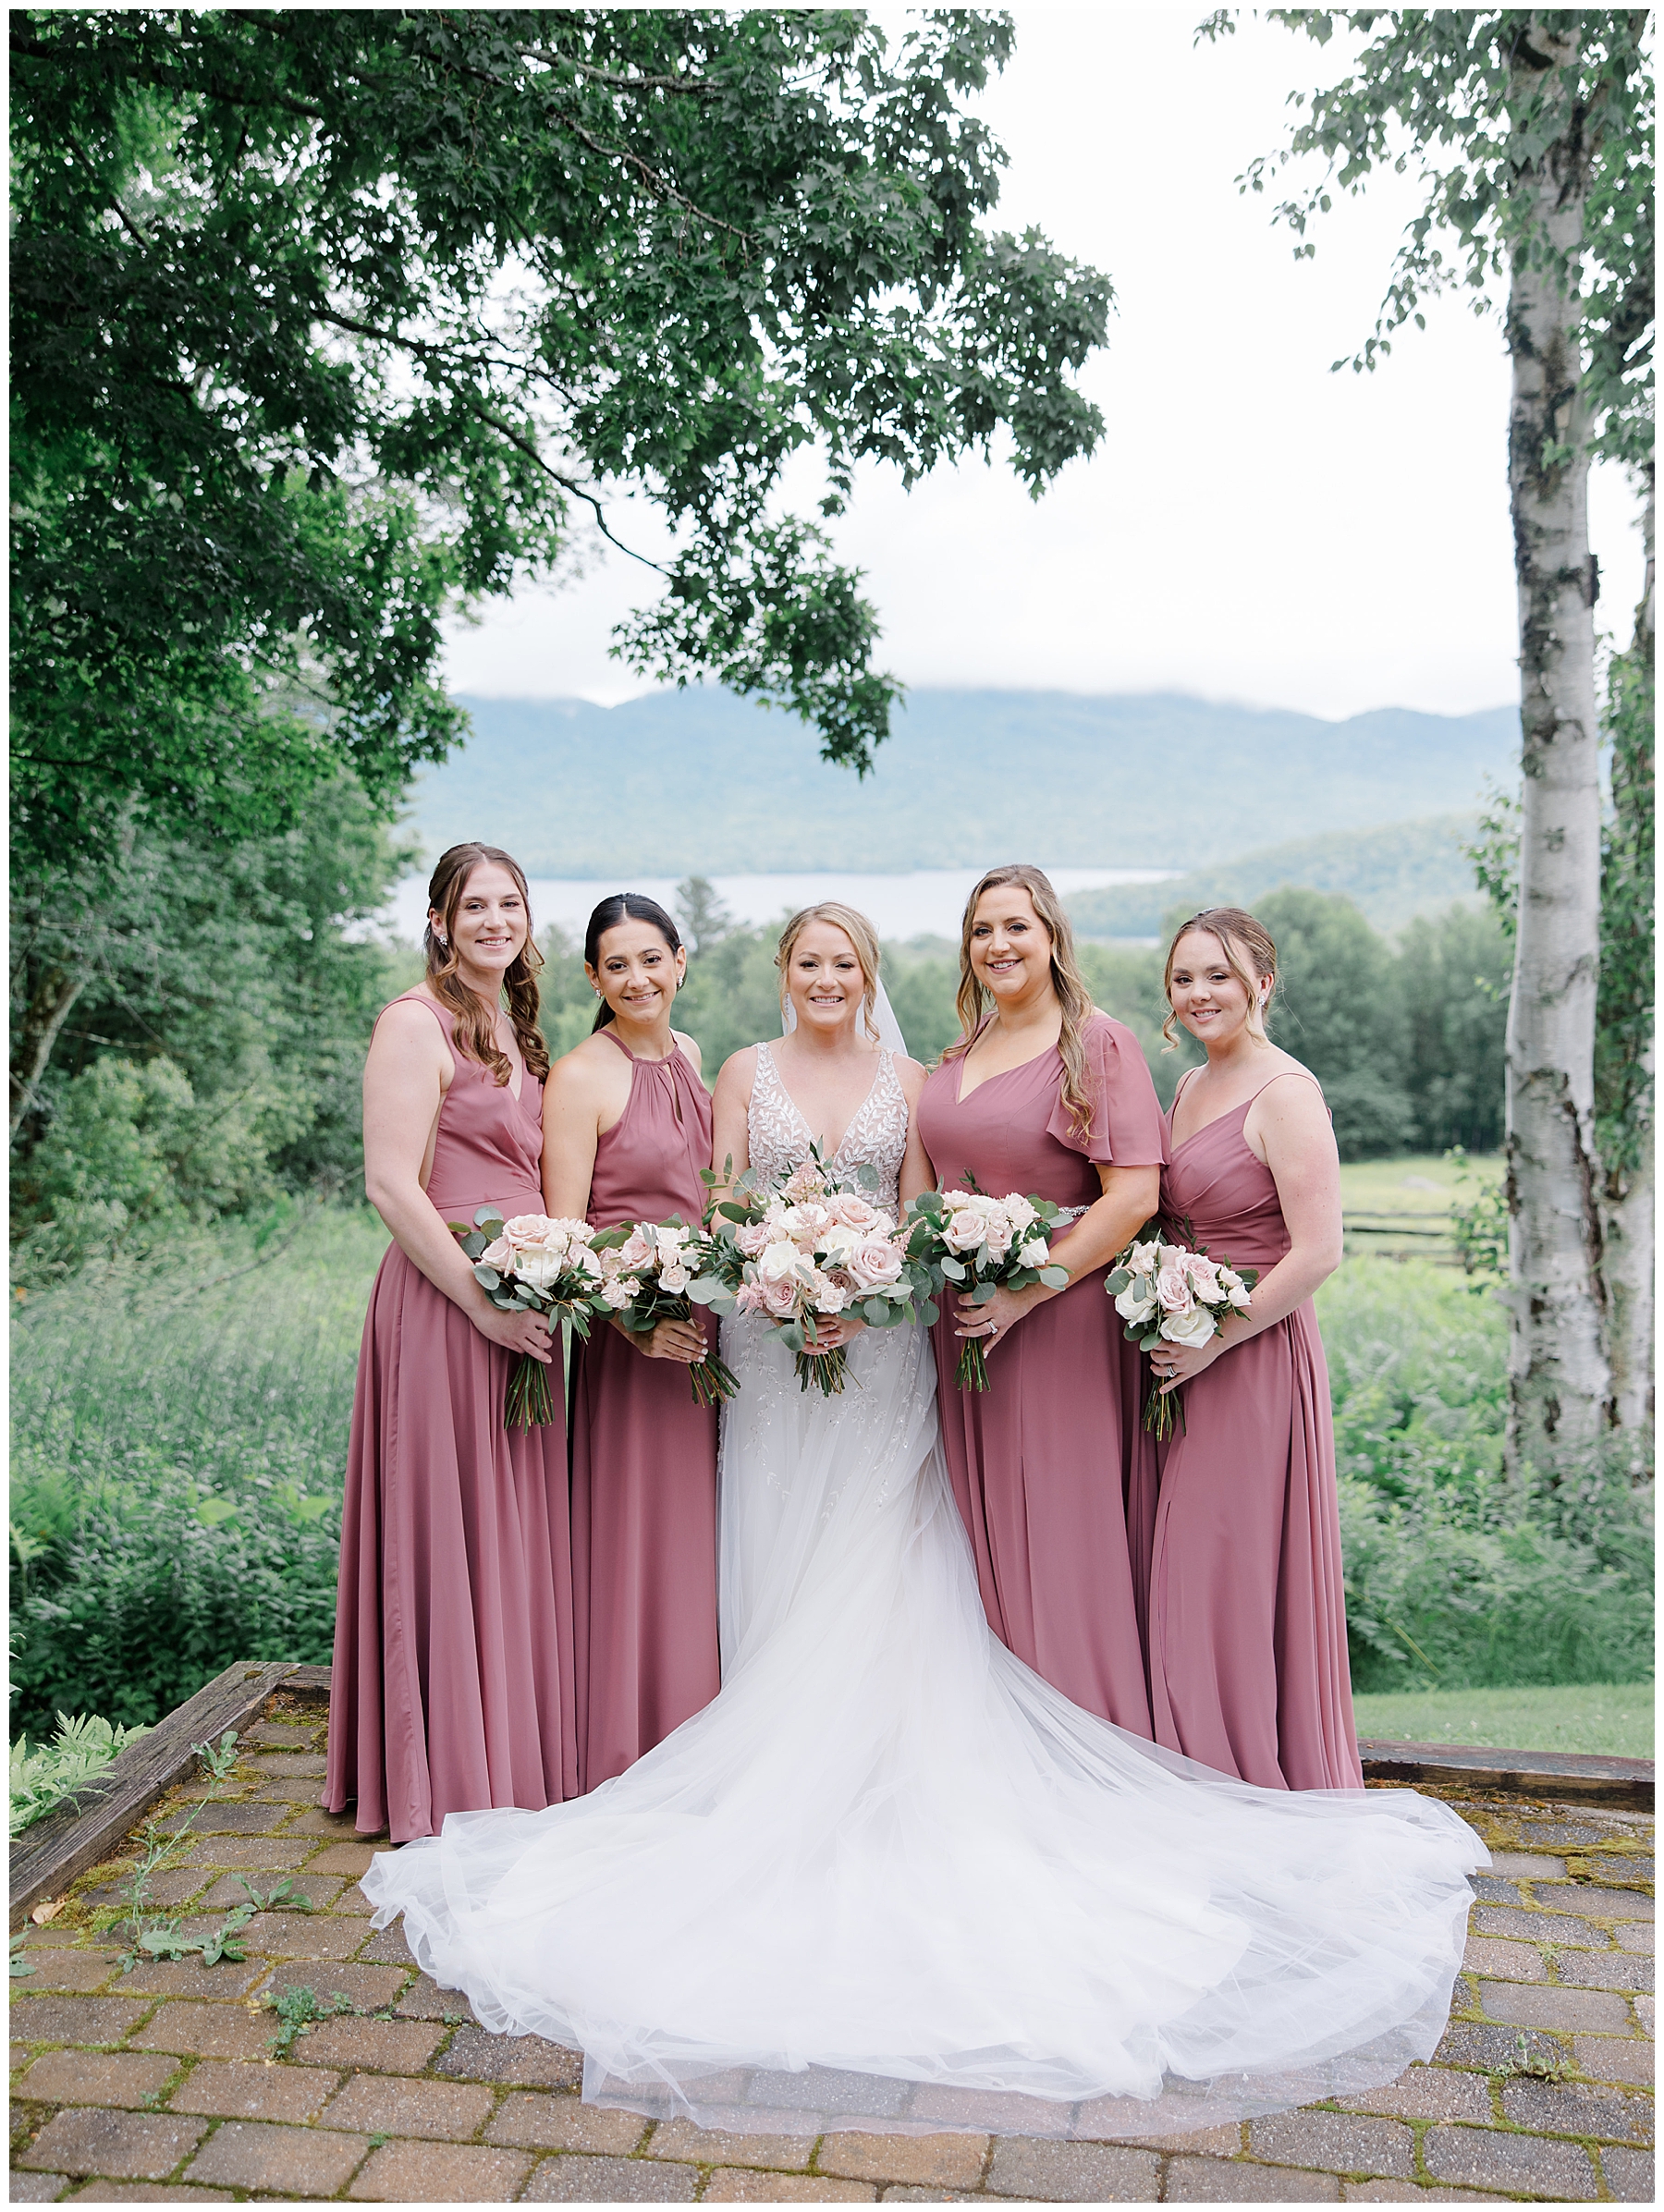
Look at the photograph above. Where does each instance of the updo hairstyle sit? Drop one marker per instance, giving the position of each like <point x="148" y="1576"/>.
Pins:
<point x="474" y="1031"/>
<point x="974" y="1003"/>
<point x="624" y="906"/>
<point x="862" y="935"/>
<point x="1249" y="954"/>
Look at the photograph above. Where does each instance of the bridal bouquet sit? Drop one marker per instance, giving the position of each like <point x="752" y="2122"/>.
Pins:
<point x="966" y="1238"/>
<point x="532" y="1264"/>
<point x="806" y="1248"/>
<point x="647" y="1273"/>
<point x="1173" y="1292"/>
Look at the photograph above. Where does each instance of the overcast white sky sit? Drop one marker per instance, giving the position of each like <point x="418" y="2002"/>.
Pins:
<point x="1251" y="526"/>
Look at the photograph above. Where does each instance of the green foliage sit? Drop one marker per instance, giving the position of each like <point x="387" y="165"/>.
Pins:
<point x="178" y="1469"/>
<point x="1479" y="1223"/>
<point x="1451" y="979"/>
<point x="1623" y="1019"/>
<point x="190" y="1019"/>
<point x="1456" y="1575"/>
<point x="332" y="314"/>
<point x="1467" y="93"/>
<point x="84" y="1746"/>
<point x="297" y="2006"/>
<point x="1337" y="1011"/>
<point x="1392" y="873"/>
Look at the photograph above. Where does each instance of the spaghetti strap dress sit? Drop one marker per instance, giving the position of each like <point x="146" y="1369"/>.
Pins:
<point x="644" y="1459"/>
<point x="1248" y="1661"/>
<point x="452" y="1685"/>
<point x="1052" y="1472"/>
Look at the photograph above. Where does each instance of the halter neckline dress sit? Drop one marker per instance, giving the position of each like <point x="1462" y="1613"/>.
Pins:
<point x="452" y="1685"/>
<point x="643" y="1458"/>
<point x="1248" y="1660"/>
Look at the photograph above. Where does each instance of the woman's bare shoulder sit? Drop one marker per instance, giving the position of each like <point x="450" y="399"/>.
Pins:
<point x="739" y="1071"/>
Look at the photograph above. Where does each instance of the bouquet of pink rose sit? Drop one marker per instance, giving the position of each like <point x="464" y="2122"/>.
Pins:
<point x="648" y="1271"/>
<point x="534" y="1265"/>
<point x="965" y="1237"/>
<point x="800" y="1252"/>
<point x="1173" y="1293"/>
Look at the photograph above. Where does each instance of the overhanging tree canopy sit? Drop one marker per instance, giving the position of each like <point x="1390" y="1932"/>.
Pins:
<point x="324" y="318"/>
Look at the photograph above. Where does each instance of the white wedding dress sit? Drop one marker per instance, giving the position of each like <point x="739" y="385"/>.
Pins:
<point x="889" y="1878"/>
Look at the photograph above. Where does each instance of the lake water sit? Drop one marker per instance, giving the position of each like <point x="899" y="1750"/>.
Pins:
<point x="928" y="902"/>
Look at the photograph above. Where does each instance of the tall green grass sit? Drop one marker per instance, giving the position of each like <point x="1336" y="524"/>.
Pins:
<point x="179" y="1447"/>
<point x="1457" y="1575"/>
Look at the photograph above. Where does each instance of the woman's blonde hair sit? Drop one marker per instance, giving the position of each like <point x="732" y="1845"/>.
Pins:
<point x="1249" y="954"/>
<point x="475" y="1026"/>
<point x="974" y="1002"/>
<point x="862" y="935"/>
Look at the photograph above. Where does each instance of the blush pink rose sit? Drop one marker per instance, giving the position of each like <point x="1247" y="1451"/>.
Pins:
<point x="777" y="1297"/>
<point x="875" y="1263"/>
<point x="1172" y="1288"/>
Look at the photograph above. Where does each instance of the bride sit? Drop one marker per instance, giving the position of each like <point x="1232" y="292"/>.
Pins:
<point x="889" y="1878"/>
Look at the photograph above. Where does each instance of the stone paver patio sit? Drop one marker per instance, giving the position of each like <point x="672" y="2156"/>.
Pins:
<point x="160" y="2086"/>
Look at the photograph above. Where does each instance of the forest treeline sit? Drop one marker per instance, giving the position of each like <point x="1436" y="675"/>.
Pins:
<point x="208" y="1065"/>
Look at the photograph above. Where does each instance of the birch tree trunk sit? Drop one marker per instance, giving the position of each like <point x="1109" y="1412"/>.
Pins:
<point x="1628" y="1231"/>
<point x="1559" y="1385"/>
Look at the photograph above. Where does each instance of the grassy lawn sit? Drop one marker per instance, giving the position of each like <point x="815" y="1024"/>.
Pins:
<point x="1414" y="1183"/>
<point x="1591" y="1718"/>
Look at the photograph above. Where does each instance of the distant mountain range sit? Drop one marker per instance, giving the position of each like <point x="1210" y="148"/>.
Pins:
<point x="702" y="782"/>
<point x="1406" y="868"/>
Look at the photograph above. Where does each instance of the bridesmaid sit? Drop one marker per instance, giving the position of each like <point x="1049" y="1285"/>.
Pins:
<point x="1044" y="1095"/>
<point x="452" y="1688"/>
<point x="626" y="1135"/>
<point x="1248" y="1665"/>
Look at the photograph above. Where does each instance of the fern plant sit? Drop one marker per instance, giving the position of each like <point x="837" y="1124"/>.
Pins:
<point x="85" y="1747"/>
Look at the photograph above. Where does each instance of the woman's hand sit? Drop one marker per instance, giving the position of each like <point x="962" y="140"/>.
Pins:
<point x="832" y="1330"/>
<point x="515" y="1332"/>
<point x="1177" y="1365"/>
<point x="994" y="1318"/>
<point x="683" y="1340"/>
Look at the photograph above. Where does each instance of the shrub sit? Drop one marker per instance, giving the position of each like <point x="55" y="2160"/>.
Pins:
<point x="84" y="1747"/>
<point x="161" y="1587"/>
<point x="1455" y="1576"/>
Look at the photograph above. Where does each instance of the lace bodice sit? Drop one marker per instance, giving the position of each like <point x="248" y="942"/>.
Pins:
<point x="779" y="1138"/>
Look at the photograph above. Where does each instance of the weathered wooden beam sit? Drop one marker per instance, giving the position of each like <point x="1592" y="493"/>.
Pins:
<point x="47" y="1857"/>
<point x="1583" y="1778"/>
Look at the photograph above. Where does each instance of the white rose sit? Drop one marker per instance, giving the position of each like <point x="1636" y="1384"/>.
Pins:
<point x="1192" y="1328"/>
<point x="1036" y="1253"/>
<point x="1135" y="1305"/>
<point x="1239" y="1295"/>
<point x="1146" y="1257"/>
<point x="780" y="1261"/>
<point x="674" y="1276"/>
<point x="618" y="1294"/>
<point x="841" y="1241"/>
<point x="964" y="1229"/>
<point x="538" y="1269"/>
<point x="1019" y="1210"/>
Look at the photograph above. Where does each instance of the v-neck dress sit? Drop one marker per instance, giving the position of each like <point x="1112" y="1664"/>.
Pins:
<point x="644" y="1459"/>
<point x="1248" y="1660"/>
<point x="452" y="1687"/>
<point x="1054" y="1475"/>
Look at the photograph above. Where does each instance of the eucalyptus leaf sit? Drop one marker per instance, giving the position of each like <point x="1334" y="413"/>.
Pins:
<point x="1054" y="1279"/>
<point x="954" y="1270"/>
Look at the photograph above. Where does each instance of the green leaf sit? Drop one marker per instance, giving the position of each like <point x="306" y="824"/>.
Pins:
<point x="1054" y="1279"/>
<point x="954" y="1270"/>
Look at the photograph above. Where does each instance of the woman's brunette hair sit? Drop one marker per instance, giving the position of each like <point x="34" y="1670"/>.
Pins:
<point x="974" y="1002"/>
<point x="476" y="1027"/>
<point x="624" y="906"/>
<point x="862" y="935"/>
<point x="1249" y="954"/>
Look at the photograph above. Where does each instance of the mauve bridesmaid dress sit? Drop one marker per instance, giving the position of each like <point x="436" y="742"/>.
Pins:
<point x="1052" y="1473"/>
<point x="643" y="1460"/>
<point x="452" y="1688"/>
<point x="1248" y="1664"/>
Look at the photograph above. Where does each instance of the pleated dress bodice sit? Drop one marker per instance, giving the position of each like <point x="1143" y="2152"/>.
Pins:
<point x="647" y="1166"/>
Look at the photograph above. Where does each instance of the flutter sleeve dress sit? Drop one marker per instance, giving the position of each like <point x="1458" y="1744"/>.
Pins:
<point x="644" y="1459"/>
<point x="1050" y="1467"/>
<point x="1248" y="1660"/>
<point x="452" y="1685"/>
